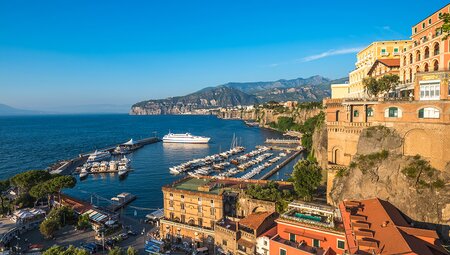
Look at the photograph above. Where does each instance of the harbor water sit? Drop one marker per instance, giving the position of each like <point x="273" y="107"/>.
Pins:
<point x="35" y="142"/>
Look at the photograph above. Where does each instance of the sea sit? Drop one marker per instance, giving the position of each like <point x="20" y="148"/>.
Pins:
<point x="36" y="142"/>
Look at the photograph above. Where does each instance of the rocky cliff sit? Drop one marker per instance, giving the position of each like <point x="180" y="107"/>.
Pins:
<point x="380" y="170"/>
<point x="320" y="145"/>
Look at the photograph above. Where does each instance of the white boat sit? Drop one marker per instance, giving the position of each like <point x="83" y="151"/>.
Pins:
<point x="83" y="173"/>
<point x="124" y="165"/>
<point x="98" y="156"/>
<point x="122" y="170"/>
<point x="184" y="138"/>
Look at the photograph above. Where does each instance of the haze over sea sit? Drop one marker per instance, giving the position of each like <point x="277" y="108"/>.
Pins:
<point x="35" y="142"/>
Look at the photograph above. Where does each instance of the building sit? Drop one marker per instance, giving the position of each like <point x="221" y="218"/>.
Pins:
<point x="428" y="51"/>
<point x="340" y="90"/>
<point x="366" y="58"/>
<point x="263" y="241"/>
<point x="194" y="206"/>
<point x="308" y="228"/>
<point x="375" y="226"/>
<point x="382" y="67"/>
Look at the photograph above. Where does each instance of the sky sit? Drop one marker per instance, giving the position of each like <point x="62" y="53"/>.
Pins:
<point x="76" y="53"/>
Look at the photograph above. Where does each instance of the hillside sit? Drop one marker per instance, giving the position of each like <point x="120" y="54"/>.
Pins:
<point x="6" y="110"/>
<point x="231" y="94"/>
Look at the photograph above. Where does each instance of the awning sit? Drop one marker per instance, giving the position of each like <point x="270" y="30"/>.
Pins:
<point x="301" y="232"/>
<point x="130" y="142"/>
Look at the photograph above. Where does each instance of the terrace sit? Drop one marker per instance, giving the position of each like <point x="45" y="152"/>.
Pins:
<point x="311" y="214"/>
<point x="302" y="248"/>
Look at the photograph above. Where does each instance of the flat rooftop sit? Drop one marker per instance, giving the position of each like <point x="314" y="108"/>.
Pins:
<point x="194" y="184"/>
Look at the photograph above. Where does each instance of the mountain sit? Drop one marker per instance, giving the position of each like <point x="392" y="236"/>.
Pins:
<point x="207" y="98"/>
<point x="231" y="94"/>
<point x="6" y="110"/>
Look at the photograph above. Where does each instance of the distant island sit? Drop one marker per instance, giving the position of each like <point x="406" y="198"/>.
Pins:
<point x="232" y="94"/>
<point x="6" y="110"/>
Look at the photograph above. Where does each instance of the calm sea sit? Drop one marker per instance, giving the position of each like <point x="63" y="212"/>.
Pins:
<point x="35" y="142"/>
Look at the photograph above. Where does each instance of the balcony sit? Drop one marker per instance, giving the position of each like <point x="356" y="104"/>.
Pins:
<point x="349" y="124"/>
<point x="195" y="228"/>
<point x="302" y="247"/>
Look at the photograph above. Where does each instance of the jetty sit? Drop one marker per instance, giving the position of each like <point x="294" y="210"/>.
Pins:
<point x="283" y="141"/>
<point x="70" y="165"/>
<point x="278" y="167"/>
<point x="121" y="201"/>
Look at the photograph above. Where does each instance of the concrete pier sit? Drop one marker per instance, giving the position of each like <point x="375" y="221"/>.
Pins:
<point x="278" y="167"/>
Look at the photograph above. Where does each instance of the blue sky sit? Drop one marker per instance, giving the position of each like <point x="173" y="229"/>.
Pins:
<point x="60" y="54"/>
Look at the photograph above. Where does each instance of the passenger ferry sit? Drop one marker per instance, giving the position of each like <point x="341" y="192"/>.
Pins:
<point x="184" y="138"/>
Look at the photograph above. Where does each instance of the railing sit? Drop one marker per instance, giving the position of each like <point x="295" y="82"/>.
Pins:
<point x="349" y="124"/>
<point x="302" y="246"/>
<point x="186" y="226"/>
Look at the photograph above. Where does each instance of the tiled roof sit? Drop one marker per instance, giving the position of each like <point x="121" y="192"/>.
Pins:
<point x="391" y="62"/>
<point x="375" y="225"/>
<point x="270" y="233"/>
<point x="254" y="220"/>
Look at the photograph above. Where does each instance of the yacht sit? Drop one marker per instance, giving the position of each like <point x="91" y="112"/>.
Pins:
<point x="124" y="165"/>
<point x="98" y="156"/>
<point x="83" y="173"/>
<point x="184" y="138"/>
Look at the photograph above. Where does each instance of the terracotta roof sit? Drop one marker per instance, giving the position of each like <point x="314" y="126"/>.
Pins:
<point x="270" y="233"/>
<point x="246" y="243"/>
<point x="391" y="232"/>
<point x="391" y="62"/>
<point x="255" y="220"/>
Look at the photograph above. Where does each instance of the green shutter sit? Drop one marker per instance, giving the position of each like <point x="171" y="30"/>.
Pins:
<point x="421" y="113"/>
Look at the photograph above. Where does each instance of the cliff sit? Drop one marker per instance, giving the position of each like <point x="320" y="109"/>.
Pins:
<point x="320" y="145"/>
<point x="380" y="170"/>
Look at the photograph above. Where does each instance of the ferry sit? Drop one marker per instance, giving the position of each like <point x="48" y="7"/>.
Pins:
<point x="185" y="138"/>
<point x="98" y="156"/>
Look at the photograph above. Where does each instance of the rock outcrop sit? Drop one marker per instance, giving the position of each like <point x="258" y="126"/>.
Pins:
<point x="380" y="170"/>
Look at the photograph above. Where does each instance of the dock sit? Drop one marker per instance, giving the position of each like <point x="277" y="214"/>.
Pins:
<point x="278" y="167"/>
<point x="120" y="201"/>
<point x="70" y="166"/>
<point x="283" y="141"/>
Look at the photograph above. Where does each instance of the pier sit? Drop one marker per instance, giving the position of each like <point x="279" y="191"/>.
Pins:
<point x="278" y="167"/>
<point x="70" y="166"/>
<point x="283" y="141"/>
<point x="121" y="201"/>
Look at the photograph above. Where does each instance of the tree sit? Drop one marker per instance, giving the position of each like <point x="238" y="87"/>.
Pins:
<point x="48" y="227"/>
<point x="445" y="17"/>
<point x="4" y="186"/>
<point x="62" y="182"/>
<point x="306" y="176"/>
<point x="116" y="251"/>
<point x="54" y="185"/>
<point x="384" y="84"/>
<point x="83" y="222"/>
<point x="26" y="180"/>
<point x="58" y="250"/>
<point x="131" y="251"/>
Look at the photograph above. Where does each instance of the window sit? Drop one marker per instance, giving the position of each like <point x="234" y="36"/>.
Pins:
<point x="171" y="196"/>
<point x="291" y="237"/>
<point x="415" y="30"/>
<point x="429" y="113"/>
<point x="265" y="242"/>
<point x="370" y="112"/>
<point x="199" y="199"/>
<point x="182" y="196"/>
<point x="283" y="251"/>
<point x="341" y="244"/>
<point x="170" y="203"/>
<point x="429" y="21"/>
<point x="316" y="243"/>
<point x="182" y="206"/>
<point x="393" y="112"/>
<point x="172" y="215"/>
<point x="396" y="51"/>
<point x="356" y="113"/>
<point x="224" y="242"/>
<point x="383" y="52"/>
<point x="430" y="90"/>
<point x="183" y="218"/>
<point x="423" y="25"/>
<point x="213" y="211"/>
<point x="200" y="222"/>
<point x="199" y="208"/>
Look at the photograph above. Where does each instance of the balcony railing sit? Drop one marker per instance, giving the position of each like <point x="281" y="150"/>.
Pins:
<point x="209" y="231"/>
<point x="349" y="124"/>
<point x="302" y="247"/>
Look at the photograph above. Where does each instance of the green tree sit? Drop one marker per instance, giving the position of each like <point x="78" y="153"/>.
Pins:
<point x="58" y="250"/>
<point x="384" y="84"/>
<point x="445" y="17"/>
<point x="4" y="186"/>
<point x="54" y="185"/>
<point x="49" y="227"/>
<point x="83" y="222"/>
<point x="131" y="251"/>
<point x="26" y="180"/>
<point x="116" y="251"/>
<point x="62" y="182"/>
<point x="306" y="176"/>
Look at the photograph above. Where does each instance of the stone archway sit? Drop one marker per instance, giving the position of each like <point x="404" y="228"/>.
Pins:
<point x="337" y="157"/>
<point x="417" y="141"/>
<point x="259" y="209"/>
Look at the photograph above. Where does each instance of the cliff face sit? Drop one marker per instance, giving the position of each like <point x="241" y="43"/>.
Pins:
<point x="379" y="171"/>
<point x="320" y="145"/>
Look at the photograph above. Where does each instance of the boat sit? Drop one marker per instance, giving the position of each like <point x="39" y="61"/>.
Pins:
<point x="124" y="165"/>
<point x="83" y="173"/>
<point x="98" y="156"/>
<point x="120" y="150"/>
<point x="122" y="170"/>
<point x="185" y="138"/>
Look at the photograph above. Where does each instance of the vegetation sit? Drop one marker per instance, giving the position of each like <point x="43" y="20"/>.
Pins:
<point x="310" y="105"/>
<point x="308" y="127"/>
<point x="446" y="26"/>
<point x="423" y="174"/>
<point x="306" y="177"/>
<point x="375" y="86"/>
<point x="57" y="218"/>
<point x="131" y="251"/>
<point x="26" y="180"/>
<point x="284" y="124"/>
<point x="342" y="172"/>
<point x="83" y="222"/>
<point x="271" y="192"/>
<point x="369" y="161"/>
<point x="4" y="186"/>
<point x="52" y="186"/>
<point x="58" y="250"/>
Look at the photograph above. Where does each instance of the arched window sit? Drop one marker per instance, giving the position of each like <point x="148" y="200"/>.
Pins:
<point x="436" y="49"/>
<point x="425" y="67"/>
<point x="418" y="55"/>
<point x="429" y="113"/>
<point x="404" y="61"/>
<point x="337" y="115"/>
<point x="393" y="112"/>
<point x="435" y="65"/>
<point x="410" y="58"/>
<point x="410" y="75"/>
<point x="426" y="53"/>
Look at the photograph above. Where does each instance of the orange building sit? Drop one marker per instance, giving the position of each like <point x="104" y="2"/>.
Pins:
<point x="429" y="52"/>
<point x="374" y="226"/>
<point x="308" y="228"/>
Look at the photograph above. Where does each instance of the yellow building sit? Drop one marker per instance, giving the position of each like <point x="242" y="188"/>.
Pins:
<point x="339" y="90"/>
<point x="367" y="57"/>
